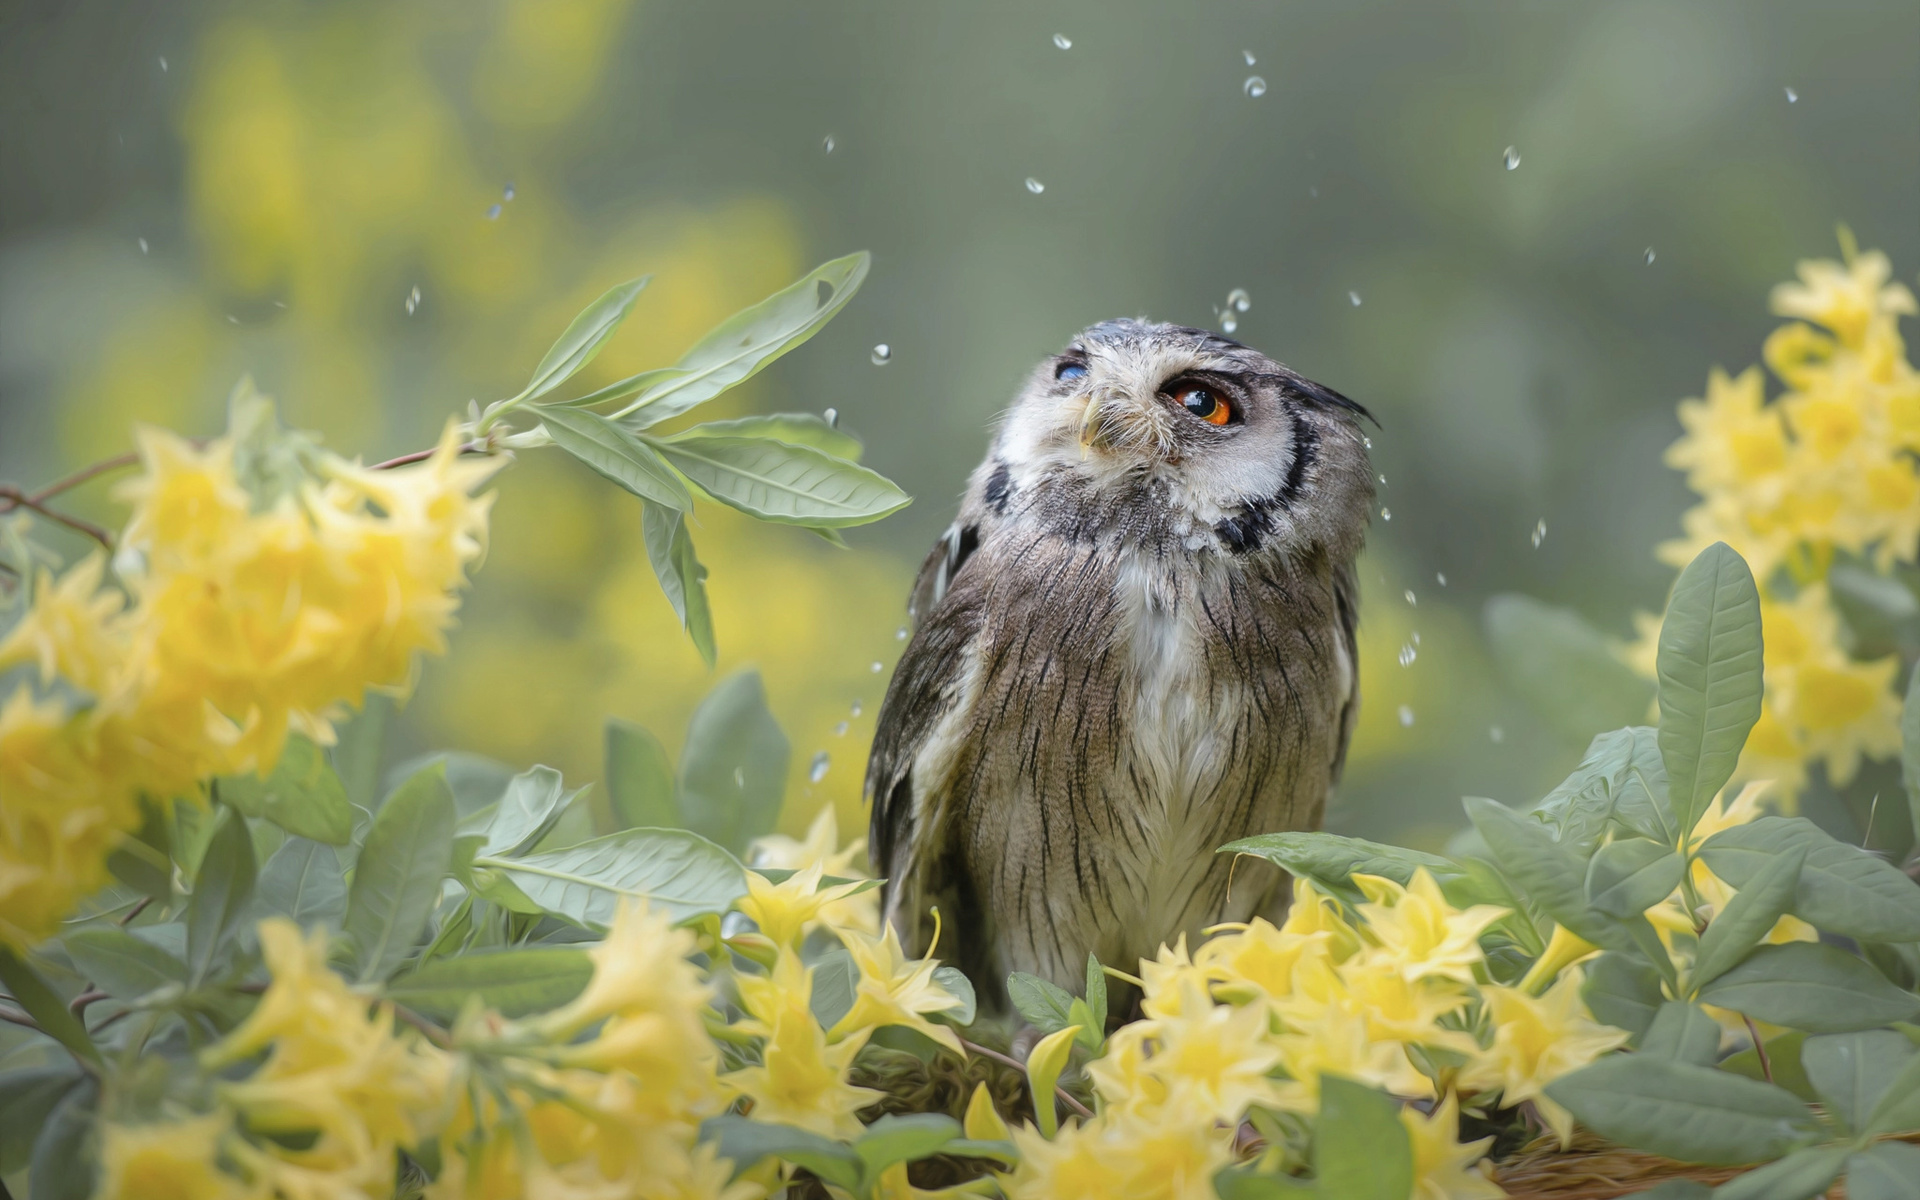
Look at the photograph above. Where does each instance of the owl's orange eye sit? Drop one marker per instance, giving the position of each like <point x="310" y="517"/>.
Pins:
<point x="1205" y="403"/>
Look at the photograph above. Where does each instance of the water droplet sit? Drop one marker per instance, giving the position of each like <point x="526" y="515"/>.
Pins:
<point x="1063" y="41"/>
<point x="1314" y="191"/>
<point x="143" y="245"/>
<point x="1410" y="598"/>
<point x="1496" y="735"/>
<point x="1539" y="533"/>
<point x="1228" y="322"/>
<point x="413" y="300"/>
<point x="856" y="708"/>
<point x="1407" y="655"/>
<point x="1353" y="298"/>
<point x="900" y="634"/>
<point x="740" y="778"/>
<point x="882" y="355"/>
<point x="878" y="667"/>
<point x="1440" y="577"/>
<point x="1406" y="716"/>
<point x="831" y="417"/>
<point x="1415" y="636"/>
<point x="817" y="769"/>
<point x="493" y="213"/>
<point x="1035" y="186"/>
<point x="507" y="193"/>
<point x="1386" y="514"/>
<point x="1649" y="255"/>
<point x="1238" y="300"/>
<point x="840" y="730"/>
<point x="826" y="143"/>
<point x="1248" y="55"/>
<point x="1366" y="441"/>
<point x="163" y="67"/>
<point x="1793" y="97"/>
<point x="232" y="320"/>
<point x="1255" y="86"/>
<point x="1511" y="157"/>
<point x="1383" y="481"/>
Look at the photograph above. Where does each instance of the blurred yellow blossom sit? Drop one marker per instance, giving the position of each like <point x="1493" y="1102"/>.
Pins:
<point x="167" y="1160"/>
<point x="1419" y="932"/>
<point x="895" y="990"/>
<point x="784" y="911"/>
<point x="1444" y="1167"/>
<point x="802" y="1079"/>
<point x="1536" y="1040"/>
<point x="1169" y="1155"/>
<point x="857" y="911"/>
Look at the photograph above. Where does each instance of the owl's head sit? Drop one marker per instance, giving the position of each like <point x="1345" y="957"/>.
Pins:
<point x="1231" y="439"/>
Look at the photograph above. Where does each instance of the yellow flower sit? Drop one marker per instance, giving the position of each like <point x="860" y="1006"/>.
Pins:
<point x="1117" y="1156"/>
<point x="1563" y="950"/>
<point x="861" y="912"/>
<point x="1536" y="1040"/>
<point x="802" y="1078"/>
<point x="1732" y="440"/>
<point x="1846" y="299"/>
<point x="1213" y="1058"/>
<point x="642" y="966"/>
<point x="1423" y="935"/>
<point x="1337" y="1042"/>
<point x="171" y="1160"/>
<point x="1163" y="979"/>
<point x="895" y="990"/>
<point x="1258" y="960"/>
<point x="1444" y="1168"/>
<point x="784" y="911"/>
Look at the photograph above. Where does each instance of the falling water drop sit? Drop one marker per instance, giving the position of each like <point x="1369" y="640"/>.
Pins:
<point x="856" y="708"/>
<point x="506" y="193"/>
<point x="1649" y="255"/>
<point x="1440" y="577"/>
<point x="143" y="245"/>
<point x="827" y="143"/>
<point x="1793" y="97"/>
<point x="1414" y="636"/>
<point x="1406" y="716"/>
<point x="900" y="634"/>
<point x="1511" y="157"/>
<point x="1386" y="514"/>
<point x="1255" y="86"/>
<point x="493" y="213"/>
<point x="413" y="300"/>
<point x="740" y="778"/>
<point x="163" y="67"/>
<point x="1407" y="655"/>
<point x="1063" y="41"/>
<point x="878" y="667"/>
<point x="882" y="355"/>
<point x="817" y="769"/>
<point x="1412" y="602"/>
<point x="1228" y="322"/>
<point x="840" y="730"/>
<point x="1383" y="480"/>
<point x="1366" y="441"/>
<point x="1496" y="735"/>
<point x="1539" y="532"/>
<point x="1035" y="186"/>
<point x="832" y="417"/>
<point x="1353" y="298"/>
<point x="1238" y="300"/>
<point x="1248" y="55"/>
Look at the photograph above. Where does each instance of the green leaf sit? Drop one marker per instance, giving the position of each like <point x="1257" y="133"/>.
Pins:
<point x="733" y="771"/>
<point x="515" y="980"/>
<point x="534" y="802"/>
<point x="788" y="485"/>
<point x="672" y="869"/>
<point x="221" y="889"/>
<point x="1096" y="995"/>
<point x="475" y="780"/>
<point x="1887" y="1171"/>
<point x="745" y="343"/>
<point x="1748" y="918"/>
<point x="1709" y="671"/>
<point x="1801" y="1175"/>
<point x="1898" y="1109"/>
<point x="836" y="982"/>
<point x="584" y="337"/>
<point x="45" y="1006"/>
<point x="682" y="577"/>
<point x="1628" y="876"/>
<point x="143" y="861"/>
<point x="66" y="1153"/>
<point x="795" y="429"/>
<point x="1044" y="1004"/>
<point x="1910" y="751"/>
<point x="1360" y="1149"/>
<point x="1623" y="990"/>
<point x="1676" y="1189"/>
<point x="620" y="389"/>
<point x="303" y="881"/>
<point x="1852" y="1071"/>
<point x="1682" y="1032"/>
<point x="1621" y="779"/>
<point x="121" y="964"/>
<point x="616" y="455"/>
<point x="27" y="1096"/>
<point x="1843" y="889"/>
<point x="1683" y="1111"/>
<point x="303" y="796"/>
<point x="356" y="754"/>
<point x="639" y="778"/>
<point x="1564" y="668"/>
<point x="954" y="982"/>
<point x="396" y="882"/>
<point x="1783" y="1067"/>
<point x="1329" y="861"/>
<point x="1805" y="985"/>
<point x="748" y="1143"/>
<point x="897" y="1139"/>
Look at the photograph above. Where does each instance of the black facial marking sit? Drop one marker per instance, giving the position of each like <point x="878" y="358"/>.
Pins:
<point x="1306" y="447"/>
<point x="1244" y="533"/>
<point x="963" y="548"/>
<point x="999" y="488"/>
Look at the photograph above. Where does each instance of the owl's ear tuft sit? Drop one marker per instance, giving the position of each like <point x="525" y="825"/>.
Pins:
<point x="1324" y="396"/>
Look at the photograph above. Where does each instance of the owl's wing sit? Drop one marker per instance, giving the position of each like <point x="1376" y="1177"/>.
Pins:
<point x="1346" y="600"/>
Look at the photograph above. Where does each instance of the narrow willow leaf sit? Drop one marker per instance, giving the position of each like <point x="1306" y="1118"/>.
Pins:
<point x="584" y="337"/>
<point x="1853" y="1071"/>
<point x="66" y="1154"/>
<point x="903" y="1139"/>
<point x="1044" y="1004"/>
<point x="45" y="1006"/>
<point x="1709" y="672"/>
<point x="1886" y="1171"/>
<point x="1910" y="752"/>
<point x="1564" y="668"/>
<point x="788" y="485"/>
<point x="1801" y="1175"/>
<point x="739" y="347"/>
<point x="1360" y="1149"/>
<point x="733" y="771"/>
<point x="357" y="752"/>
<point x="639" y="778"/>
<point x="1748" y="918"/>
<point x="396" y="882"/>
<point x="672" y="869"/>
<point x="27" y="1096"/>
<point x="1682" y="1032"/>
<point x="1615" y="774"/>
<point x="620" y="389"/>
<point x="1096" y="995"/>
<point x="120" y="964"/>
<point x="534" y="801"/>
<point x="748" y="1143"/>
<point x="1623" y="990"/>
<point x="795" y="429"/>
<point x="616" y="455"/>
<point x="681" y="575"/>
<point x="1843" y="889"/>
<point x="1898" y="1109"/>
<point x="302" y="796"/>
<point x="836" y="982"/>
<point x="144" y="860"/>
<point x="1683" y="1111"/>
<point x="515" y="981"/>
<point x="221" y="889"/>
<point x="1805" y="985"/>
<point x="1330" y="861"/>
<point x="1782" y="1068"/>
<point x="1628" y="876"/>
<point x="303" y="881"/>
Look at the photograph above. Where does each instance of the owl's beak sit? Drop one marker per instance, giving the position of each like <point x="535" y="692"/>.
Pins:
<point x="1090" y="425"/>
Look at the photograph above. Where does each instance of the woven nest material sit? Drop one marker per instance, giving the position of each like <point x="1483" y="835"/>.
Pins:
<point x="1590" y="1169"/>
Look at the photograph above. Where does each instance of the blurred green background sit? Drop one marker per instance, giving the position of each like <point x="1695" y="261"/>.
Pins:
<point x="195" y="190"/>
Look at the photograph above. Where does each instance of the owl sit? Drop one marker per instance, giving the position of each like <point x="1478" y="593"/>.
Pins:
<point x="1135" y="644"/>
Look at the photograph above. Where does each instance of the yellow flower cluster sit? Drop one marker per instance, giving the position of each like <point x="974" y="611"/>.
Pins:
<point x="1832" y="465"/>
<point x="245" y="616"/>
<point x="1259" y="1013"/>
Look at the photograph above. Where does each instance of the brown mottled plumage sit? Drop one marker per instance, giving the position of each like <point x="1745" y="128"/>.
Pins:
<point x="1135" y="644"/>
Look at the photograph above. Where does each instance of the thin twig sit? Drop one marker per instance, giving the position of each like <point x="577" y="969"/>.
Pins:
<point x="1759" y="1048"/>
<point x="20" y="499"/>
<point x="424" y="455"/>
<point x="19" y="1018"/>
<point x="78" y="1004"/>
<point x="85" y="473"/>
<point x="136" y="910"/>
<point x="1066" y="1097"/>
<point x="435" y="1034"/>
